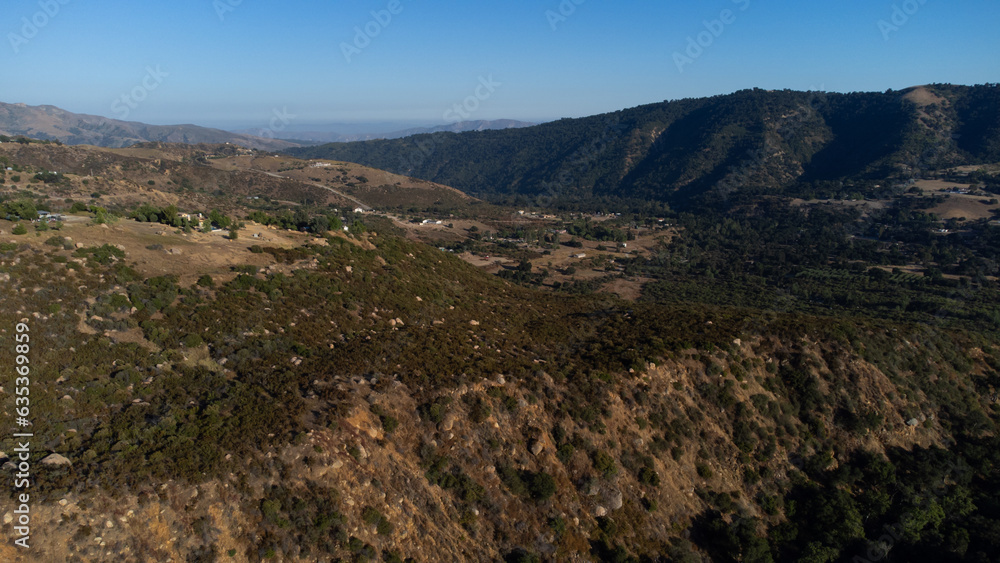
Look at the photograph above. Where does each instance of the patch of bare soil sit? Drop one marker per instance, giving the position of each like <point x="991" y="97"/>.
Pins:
<point x="625" y="288"/>
<point x="923" y="97"/>
<point x="156" y="250"/>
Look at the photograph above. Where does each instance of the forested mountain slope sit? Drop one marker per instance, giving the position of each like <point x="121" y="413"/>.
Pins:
<point x="704" y="149"/>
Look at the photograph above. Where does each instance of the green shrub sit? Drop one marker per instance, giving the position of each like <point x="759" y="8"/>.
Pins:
<point x="704" y="471"/>
<point x="605" y="464"/>
<point x="541" y="485"/>
<point x="370" y="516"/>
<point x="648" y="476"/>
<point x="565" y="452"/>
<point x="104" y="254"/>
<point x="480" y="411"/>
<point x="375" y="518"/>
<point x="19" y="229"/>
<point x="389" y="423"/>
<point x="193" y="340"/>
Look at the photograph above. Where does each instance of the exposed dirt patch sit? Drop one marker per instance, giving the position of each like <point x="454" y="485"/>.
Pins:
<point x="630" y="289"/>
<point x="923" y="97"/>
<point x="157" y="250"/>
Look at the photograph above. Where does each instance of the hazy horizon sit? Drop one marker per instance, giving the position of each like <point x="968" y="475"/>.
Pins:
<point x="234" y="64"/>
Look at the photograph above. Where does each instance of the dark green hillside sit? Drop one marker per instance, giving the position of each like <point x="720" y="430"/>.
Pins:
<point x="978" y="116"/>
<point x="865" y="130"/>
<point x="752" y="140"/>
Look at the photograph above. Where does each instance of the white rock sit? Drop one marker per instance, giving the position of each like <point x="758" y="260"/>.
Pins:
<point x="56" y="459"/>
<point x="447" y="424"/>
<point x="537" y="448"/>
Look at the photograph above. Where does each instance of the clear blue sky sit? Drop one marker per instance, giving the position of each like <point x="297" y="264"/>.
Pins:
<point x="261" y="56"/>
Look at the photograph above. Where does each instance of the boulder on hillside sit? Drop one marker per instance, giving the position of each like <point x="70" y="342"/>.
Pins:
<point x="56" y="460"/>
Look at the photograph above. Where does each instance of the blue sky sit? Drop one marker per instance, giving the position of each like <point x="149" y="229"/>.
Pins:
<point x="238" y="63"/>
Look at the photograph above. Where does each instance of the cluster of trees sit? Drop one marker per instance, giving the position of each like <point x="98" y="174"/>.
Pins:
<point x="299" y="220"/>
<point x="168" y="215"/>
<point x="591" y="230"/>
<point x="50" y="177"/>
<point x="171" y="216"/>
<point x="919" y="505"/>
<point x="522" y="274"/>
<point x="829" y="260"/>
<point x="24" y="140"/>
<point x="24" y="209"/>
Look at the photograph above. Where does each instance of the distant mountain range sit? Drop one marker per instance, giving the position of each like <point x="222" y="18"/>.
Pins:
<point x="55" y="124"/>
<point x="752" y="141"/>
<point x="335" y="137"/>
